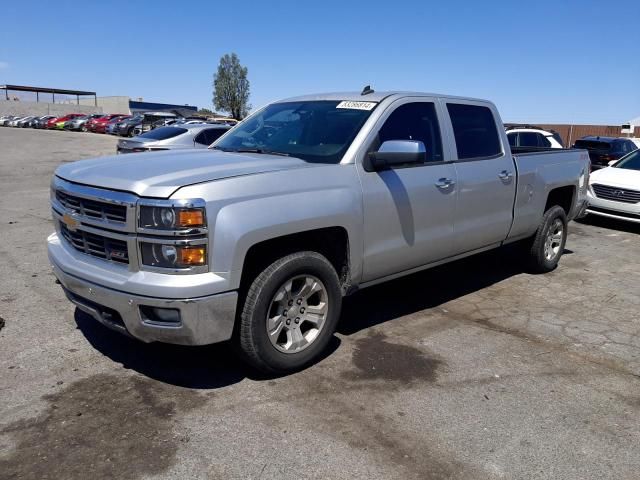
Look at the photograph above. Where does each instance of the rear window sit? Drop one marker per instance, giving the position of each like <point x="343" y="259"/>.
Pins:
<point x="207" y="137"/>
<point x="163" y="133"/>
<point x="475" y="131"/>
<point x="592" y="145"/>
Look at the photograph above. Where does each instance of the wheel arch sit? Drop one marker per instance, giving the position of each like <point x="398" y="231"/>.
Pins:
<point x="331" y="242"/>
<point x="563" y="196"/>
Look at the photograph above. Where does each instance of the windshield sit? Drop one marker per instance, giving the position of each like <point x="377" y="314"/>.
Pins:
<point x="630" y="162"/>
<point x="314" y="131"/>
<point x="163" y="133"/>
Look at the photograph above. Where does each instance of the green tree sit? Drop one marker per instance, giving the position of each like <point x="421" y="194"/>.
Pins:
<point x="206" y="111"/>
<point x="231" y="87"/>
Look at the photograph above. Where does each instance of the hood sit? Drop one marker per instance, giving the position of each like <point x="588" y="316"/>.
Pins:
<point x="159" y="174"/>
<point x="617" y="177"/>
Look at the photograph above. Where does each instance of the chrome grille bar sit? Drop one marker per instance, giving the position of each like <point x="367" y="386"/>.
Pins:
<point x="96" y="245"/>
<point x="616" y="194"/>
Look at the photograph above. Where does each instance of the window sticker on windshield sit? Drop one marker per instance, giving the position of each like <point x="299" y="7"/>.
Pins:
<point x="356" y="105"/>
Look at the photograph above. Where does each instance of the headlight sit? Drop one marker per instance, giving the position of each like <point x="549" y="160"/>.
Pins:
<point x="173" y="256"/>
<point x="173" y="217"/>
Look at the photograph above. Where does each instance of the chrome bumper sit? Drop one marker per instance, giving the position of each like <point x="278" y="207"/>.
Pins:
<point x="203" y="320"/>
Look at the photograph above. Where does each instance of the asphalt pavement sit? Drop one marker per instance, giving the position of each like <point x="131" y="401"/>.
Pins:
<point x="474" y="370"/>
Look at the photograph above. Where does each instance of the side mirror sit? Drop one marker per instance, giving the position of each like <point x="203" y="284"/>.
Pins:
<point x="612" y="163"/>
<point x="397" y="152"/>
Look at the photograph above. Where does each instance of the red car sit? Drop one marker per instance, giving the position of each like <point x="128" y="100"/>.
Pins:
<point x="51" y="123"/>
<point x="99" y="125"/>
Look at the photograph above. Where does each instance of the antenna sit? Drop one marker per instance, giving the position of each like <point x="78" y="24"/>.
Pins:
<point x="366" y="90"/>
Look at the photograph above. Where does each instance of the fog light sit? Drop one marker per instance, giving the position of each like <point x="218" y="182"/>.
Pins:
<point x="160" y="315"/>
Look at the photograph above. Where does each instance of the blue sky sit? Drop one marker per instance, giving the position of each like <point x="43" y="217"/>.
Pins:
<point x="539" y="61"/>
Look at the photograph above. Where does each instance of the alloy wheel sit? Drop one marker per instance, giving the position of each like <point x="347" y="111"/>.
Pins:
<point x="297" y="313"/>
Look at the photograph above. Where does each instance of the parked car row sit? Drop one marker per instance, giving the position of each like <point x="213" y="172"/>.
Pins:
<point x="124" y="125"/>
<point x="602" y="150"/>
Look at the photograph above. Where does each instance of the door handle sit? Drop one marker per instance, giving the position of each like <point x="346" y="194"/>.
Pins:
<point x="505" y="175"/>
<point x="445" y="183"/>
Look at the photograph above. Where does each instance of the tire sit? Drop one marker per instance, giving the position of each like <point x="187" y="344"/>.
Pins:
<point x="298" y="342"/>
<point x="84" y="129"/>
<point x="547" y="245"/>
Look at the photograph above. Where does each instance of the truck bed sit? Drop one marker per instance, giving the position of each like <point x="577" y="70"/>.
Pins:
<point x="539" y="171"/>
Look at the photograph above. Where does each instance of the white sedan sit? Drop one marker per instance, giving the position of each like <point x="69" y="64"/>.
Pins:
<point x="614" y="191"/>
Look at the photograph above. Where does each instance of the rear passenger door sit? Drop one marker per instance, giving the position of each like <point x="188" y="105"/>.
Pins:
<point x="486" y="177"/>
<point x="408" y="210"/>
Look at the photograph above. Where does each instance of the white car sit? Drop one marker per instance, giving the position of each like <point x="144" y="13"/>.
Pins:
<point x="614" y="191"/>
<point x="14" y="122"/>
<point x="533" y="137"/>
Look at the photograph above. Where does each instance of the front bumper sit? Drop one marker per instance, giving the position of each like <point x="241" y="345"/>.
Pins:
<point x="203" y="319"/>
<point x="629" y="212"/>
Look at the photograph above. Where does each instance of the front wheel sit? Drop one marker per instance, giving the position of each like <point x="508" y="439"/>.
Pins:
<point x="290" y="313"/>
<point x="547" y="245"/>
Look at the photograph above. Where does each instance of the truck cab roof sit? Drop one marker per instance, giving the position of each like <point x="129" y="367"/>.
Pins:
<point x="372" y="97"/>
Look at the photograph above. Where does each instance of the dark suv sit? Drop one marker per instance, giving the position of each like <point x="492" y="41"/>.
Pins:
<point x="602" y="150"/>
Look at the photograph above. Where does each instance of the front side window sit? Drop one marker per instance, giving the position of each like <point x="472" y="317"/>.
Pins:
<point x="475" y="131"/>
<point x="314" y="131"/>
<point x="414" y="121"/>
<point x="513" y="139"/>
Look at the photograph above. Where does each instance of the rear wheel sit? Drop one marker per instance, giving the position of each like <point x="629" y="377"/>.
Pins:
<point x="547" y="245"/>
<point x="290" y="313"/>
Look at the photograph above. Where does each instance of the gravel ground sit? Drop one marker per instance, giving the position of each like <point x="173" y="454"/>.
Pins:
<point x="474" y="370"/>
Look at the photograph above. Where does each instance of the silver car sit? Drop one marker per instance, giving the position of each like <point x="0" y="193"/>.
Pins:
<point x="199" y="135"/>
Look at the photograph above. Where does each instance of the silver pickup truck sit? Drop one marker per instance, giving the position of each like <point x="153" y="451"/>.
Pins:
<point x="257" y="239"/>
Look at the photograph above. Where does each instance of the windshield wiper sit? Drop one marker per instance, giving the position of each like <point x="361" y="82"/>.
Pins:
<point x="254" y="150"/>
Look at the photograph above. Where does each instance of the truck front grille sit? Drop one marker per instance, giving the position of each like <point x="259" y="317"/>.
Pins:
<point x="92" y="208"/>
<point x="616" y="194"/>
<point x="96" y="245"/>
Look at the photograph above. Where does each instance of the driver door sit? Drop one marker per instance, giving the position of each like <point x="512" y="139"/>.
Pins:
<point x="408" y="210"/>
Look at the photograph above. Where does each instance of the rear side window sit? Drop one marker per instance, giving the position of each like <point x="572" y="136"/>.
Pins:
<point x="415" y="121"/>
<point x="627" y="147"/>
<point x="529" y="139"/>
<point x="207" y="137"/>
<point x="513" y="139"/>
<point x="475" y="131"/>
<point x="163" y="133"/>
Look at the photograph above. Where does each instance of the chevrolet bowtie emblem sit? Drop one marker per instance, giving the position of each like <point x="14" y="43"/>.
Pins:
<point x="71" y="222"/>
